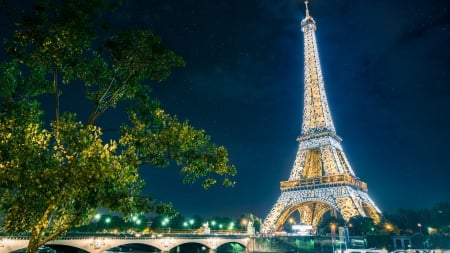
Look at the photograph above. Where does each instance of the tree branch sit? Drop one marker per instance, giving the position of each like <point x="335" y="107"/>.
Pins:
<point x="101" y="107"/>
<point x="57" y="94"/>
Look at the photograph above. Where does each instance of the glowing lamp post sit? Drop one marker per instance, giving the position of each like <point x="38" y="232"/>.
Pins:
<point x="291" y="221"/>
<point x="231" y="226"/>
<point x="333" y="234"/>
<point x="213" y="225"/>
<point x="165" y="223"/>
<point x="108" y="221"/>
<point x="333" y="231"/>
<point x="97" y="218"/>
<point x="136" y="220"/>
<point x="188" y="224"/>
<point x="244" y="223"/>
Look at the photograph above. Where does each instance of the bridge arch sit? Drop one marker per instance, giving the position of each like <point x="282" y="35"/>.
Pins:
<point x="233" y="246"/>
<point x="98" y="244"/>
<point x="212" y="242"/>
<point x="101" y="243"/>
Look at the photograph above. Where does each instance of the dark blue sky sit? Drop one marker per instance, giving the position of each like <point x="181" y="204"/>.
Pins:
<point x="386" y="66"/>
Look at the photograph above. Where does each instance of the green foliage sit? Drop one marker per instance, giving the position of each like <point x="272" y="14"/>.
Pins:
<point x="328" y="222"/>
<point x="57" y="172"/>
<point x="247" y="218"/>
<point x="359" y="225"/>
<point x="425" y="221"/>
<point x="113" y="223"/>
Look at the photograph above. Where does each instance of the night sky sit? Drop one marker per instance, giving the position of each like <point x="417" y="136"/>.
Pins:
<point x="386" y="66"/>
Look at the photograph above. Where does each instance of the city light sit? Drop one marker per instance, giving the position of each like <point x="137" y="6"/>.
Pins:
<point x="231" y="226"/>
<point x="388" y="227"/>
<point x="165" y="222"/>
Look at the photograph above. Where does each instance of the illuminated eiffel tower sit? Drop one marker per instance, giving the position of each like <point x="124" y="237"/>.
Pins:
<point x="321" y="179"/>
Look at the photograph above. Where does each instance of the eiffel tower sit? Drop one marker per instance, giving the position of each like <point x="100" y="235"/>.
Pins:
<point x="322" y="180"/>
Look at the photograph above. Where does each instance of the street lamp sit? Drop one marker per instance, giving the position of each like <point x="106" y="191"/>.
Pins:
<point x="135" y="219"/>
<point x="165" y="222"/>
<point x="107" y="221"/>
<point x="388" y="227"/>
<point x="333" y="234"/>
<point x="231" y="226"/>
<point x="333" y="229"/>
<point x="188" y="224"/>
<point x="244" y="223"/>
<point x="213" y="224"/>
<point x="96" y="219"/>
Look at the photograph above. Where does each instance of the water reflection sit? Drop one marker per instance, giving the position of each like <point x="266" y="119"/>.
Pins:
<point x="184" y="248"/>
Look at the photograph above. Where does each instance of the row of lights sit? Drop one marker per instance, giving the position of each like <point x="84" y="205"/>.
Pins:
<point x="134" y="218"/>
<point x="186" y="224"/>
<point x="190" y="223"/>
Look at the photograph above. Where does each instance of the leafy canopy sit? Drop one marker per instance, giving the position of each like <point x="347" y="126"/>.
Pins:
<point x="58" y="168"/>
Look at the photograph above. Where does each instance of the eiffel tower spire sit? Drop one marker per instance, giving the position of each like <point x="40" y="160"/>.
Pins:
<point x="306" y="9"/>
<point x="321" y="180"/>
<point x="316" y="113"/>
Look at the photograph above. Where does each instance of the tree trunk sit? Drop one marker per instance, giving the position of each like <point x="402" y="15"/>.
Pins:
<point x="33" y="244"/>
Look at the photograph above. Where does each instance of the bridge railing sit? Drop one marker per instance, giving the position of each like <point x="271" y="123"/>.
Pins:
<point x="81" y="236"/>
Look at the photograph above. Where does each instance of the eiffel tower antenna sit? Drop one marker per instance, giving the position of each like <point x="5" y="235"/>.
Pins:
<point x="321" y="181"/>
<point x="306" y="8"/>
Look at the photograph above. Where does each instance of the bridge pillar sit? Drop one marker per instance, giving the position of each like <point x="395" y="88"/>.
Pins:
<point x="212" y="250"/>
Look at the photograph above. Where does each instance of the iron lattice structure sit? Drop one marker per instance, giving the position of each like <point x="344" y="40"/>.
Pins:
<point x="321" y="179"/>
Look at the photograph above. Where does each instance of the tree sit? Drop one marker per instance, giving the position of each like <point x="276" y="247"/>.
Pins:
<point x="360" y="225"/>
<point x="329" y="223"/>
<point x="244" y="219"/>
<point x="56" y="171"/>
<point x="406" y="220"/>
<point x="441" y="216"/>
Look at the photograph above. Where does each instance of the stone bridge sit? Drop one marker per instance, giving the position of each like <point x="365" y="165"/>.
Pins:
<point x="99" y="244"/>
